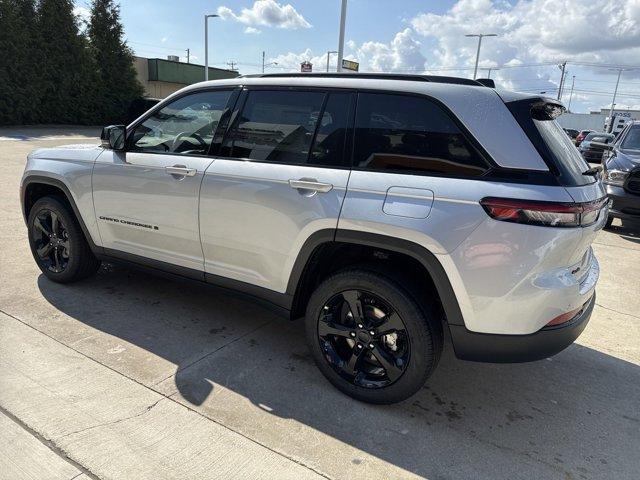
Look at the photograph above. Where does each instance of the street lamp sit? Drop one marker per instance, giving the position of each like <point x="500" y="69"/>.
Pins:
<point x="480" y="36"/>
<point x="206" y="45"/>
<point x="343" y="19"/>
<point x="615" y="92"/>
<point x="329" y="53"/>
<point x="490" y="69"/>
<point x="267" y="64"/>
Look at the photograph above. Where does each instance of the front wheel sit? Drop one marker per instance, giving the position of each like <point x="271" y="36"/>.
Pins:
<point x="57" y="242"/>
<point x="370" y="338"/>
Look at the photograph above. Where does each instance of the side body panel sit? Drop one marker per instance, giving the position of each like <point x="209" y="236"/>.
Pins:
<point x="144" y="210"/>
<point x="508" y="278"/>
<point x="71" y="166"/>
<point x="254" y="224"/>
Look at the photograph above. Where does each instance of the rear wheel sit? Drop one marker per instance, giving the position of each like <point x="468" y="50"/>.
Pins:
<point x="57" y="242"/>
<point x="609" y="222"/>
<point x="370" y="338"/>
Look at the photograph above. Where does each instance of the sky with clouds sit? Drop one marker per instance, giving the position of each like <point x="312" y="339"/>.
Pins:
<point x="410" y="36"/>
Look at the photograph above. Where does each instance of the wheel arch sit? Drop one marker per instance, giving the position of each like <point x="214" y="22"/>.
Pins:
<point x="325" y="243"/>
<point x="35" y="187"/>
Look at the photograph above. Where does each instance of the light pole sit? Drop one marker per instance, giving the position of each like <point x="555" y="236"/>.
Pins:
<point x="206" y="45"/>
<point x="489" y="71"/>
<point x="480" y="37"/>
<point x="573" y="81"/>
<point x="343" y="19"/>
<point x="266" y="64"/>
<point x="615" y="92"/>
<point x="329" y="53"/>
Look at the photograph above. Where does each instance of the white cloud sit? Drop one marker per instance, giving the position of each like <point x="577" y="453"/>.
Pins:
<point x="268" y="13"/>
<point x="163" y="39"/>
<point x="401" y="54"/>
<point x="534" y="31"/>
<point x="83" y="14"/>
<point x="252" y="31"/>
<point x="291" y="61"/>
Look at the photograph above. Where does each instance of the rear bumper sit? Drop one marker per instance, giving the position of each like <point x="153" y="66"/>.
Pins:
<point x="625" y="205"/>
<point x="496" y="348"/>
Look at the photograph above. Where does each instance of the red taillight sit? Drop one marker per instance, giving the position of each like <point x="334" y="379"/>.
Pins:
<point x="550" y="214"/>
<point x="564" y="318"/>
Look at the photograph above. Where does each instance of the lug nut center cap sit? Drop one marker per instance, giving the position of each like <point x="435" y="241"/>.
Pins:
<point x="363" y="336"/>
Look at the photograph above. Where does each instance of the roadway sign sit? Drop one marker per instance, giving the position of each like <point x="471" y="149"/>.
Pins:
<point x="350" y="65"/>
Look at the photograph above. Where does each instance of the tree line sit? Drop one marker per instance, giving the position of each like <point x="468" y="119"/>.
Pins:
<point x="56" y="68"/>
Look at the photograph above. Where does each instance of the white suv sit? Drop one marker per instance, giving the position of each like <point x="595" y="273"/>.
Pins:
<point x="386" y="209"/>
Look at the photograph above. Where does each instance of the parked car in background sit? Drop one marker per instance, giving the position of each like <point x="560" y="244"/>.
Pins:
<point x="572" y="132"/>
<point x="591" y="148"/>
<point x="581" y="136"/>
<point x="621" y="174"/>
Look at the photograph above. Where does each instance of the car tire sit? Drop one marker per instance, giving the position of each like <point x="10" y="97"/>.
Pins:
<point x="57" y="242"/>
<point x="380" y="374"/>
<point x="608" y="223"/>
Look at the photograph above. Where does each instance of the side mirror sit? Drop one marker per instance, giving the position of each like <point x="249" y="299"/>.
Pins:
<point x="602" y="146"/>
<point x="113" y="136"/>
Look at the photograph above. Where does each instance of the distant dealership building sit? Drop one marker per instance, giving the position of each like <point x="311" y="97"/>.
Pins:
<point x="598" y="120"/>
<point x="160" y="77"/>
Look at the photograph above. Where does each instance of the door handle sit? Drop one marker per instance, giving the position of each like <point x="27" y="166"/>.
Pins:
<point x="310" y="184"/>
<point x="180" y="170"/>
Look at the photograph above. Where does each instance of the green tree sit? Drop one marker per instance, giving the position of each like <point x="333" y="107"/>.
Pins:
<point x="19" y="95"/>
<point x="117" y="84"/>
<point x="68" y="73"/>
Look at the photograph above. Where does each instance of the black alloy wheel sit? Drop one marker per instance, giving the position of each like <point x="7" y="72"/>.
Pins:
<point x="370" y="336"/>
<point x="363" y="339"/>
<point x="51" y="240"/>
<point x="57" y="241"/>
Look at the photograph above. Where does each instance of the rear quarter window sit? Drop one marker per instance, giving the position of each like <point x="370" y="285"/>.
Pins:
<point x="554" y="146"/>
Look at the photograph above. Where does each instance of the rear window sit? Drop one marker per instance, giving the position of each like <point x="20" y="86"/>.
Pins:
<point x="411" y="135"/>
<point x="537" y="119"/>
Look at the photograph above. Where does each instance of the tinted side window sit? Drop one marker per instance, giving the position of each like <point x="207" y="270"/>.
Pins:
<point x="403" y="133"/>
<point x="184" y="126"/>
<point x="276" y="126"/>
<point x="328" y="145"/>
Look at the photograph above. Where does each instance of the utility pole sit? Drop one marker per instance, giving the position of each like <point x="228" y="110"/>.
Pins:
<point x="206" y="45"/>
<point x="187" y="55"/>
<point x="232" y="65"/>
<point x="480" y="36"/>
<point x="573" y="81"/>
<point x="263" y="61"/>
<point x="615" y="92"/>
<point x="343" y="19"/>
<point x="328" y="54"/>
<point x="562" y="67"/>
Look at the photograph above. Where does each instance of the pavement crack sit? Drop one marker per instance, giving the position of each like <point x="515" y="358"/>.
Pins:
<point x="168" y="397"/>
<point x="50" y="444"/>
<point x="212" y="352"/>
<point x="617" y="311"/>
<point x="113" y="422"/>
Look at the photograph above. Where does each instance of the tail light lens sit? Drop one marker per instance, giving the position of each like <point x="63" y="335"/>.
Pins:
<point x="549" y="214"/>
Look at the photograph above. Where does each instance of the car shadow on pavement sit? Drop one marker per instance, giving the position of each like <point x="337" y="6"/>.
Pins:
<point x="627" y="230"/>
<point x="573" y="416"/>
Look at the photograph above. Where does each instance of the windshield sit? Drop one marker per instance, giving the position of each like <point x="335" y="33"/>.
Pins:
<point x="564" y="151"/>
<point x="632" y="139"/>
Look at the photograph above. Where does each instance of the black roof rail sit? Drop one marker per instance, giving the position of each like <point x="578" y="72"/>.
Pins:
<point x="381" y="76"/>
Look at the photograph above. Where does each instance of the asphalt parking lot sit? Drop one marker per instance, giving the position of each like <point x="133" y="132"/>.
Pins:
<point x="127" y="375"/>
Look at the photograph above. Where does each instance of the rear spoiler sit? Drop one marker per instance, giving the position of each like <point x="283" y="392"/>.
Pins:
<point x="487" y="82"/>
